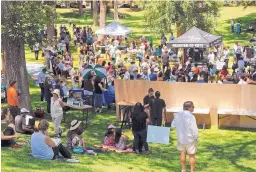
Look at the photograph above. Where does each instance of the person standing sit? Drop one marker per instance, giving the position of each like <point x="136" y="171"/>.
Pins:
<point x="232" y="25"/>
<point x="36" y="50"/>
<point x="187" y="134"/>
<point x="41" y="80"/>
<point x="157" y="107"/>
<point x="47" y="93"/>
<point x="12" y="100"/>
<point x="139" y="123"/>
<point x="172" y="37"/>
<point x="98" y="91"/>
<point x="57" y="112"/>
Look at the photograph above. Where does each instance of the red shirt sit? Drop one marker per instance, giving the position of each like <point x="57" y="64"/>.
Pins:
<point x="224" y="72"/>
<point x="109" y="67"/>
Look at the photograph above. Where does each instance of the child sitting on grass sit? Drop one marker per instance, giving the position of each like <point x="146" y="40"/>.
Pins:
<point x="120" y="142"/>
<point x="75" y="141"/>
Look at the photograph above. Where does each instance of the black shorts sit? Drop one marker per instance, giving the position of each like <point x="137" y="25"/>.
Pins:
<point x="14" y="111"/>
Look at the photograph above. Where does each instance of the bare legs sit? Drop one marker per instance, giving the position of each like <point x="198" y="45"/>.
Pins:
<point x="192" y="160"/>
<point x="183" y="160"/>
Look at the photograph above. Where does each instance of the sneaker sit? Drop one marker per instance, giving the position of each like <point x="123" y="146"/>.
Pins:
<point x="146" y="152"/>
<point x="73" y="160"/>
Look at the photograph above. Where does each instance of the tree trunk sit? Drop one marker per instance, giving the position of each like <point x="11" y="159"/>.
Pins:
<point x="103" y="10"/>
<point x="80" y="6"/>
<point x="95" y="14"/>
<point x="16" y="70"/>
<point x="51" y="16"/>
<point x="115" y="10"/>
<point x="92" y="7"/>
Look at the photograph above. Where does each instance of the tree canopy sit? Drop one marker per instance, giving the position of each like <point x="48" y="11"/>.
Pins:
<point x="161" y="16"/>
<point x="22" y="20"/>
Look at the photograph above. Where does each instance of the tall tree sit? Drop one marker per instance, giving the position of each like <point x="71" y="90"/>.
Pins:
<point x="103" y="12"/>
<point x="161" y="16"/>
<point x="80" y="7"/>
<point x="51" y="18"/>
<point x="21" y="22"/>
<point x="95" y="13"/>
<point x="115" y="10"/>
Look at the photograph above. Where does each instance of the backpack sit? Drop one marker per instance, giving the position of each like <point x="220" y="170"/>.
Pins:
<point x="239" y="50"/>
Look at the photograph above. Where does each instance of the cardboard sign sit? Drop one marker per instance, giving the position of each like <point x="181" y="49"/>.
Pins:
<point x="158" y="134"/>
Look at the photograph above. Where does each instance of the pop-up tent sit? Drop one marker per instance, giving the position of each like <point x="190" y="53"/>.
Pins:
<point x="114" y="29"/>
<point x="195" y="38"/>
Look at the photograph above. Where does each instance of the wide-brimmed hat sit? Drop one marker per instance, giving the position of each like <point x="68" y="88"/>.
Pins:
<point x="56" y="91"/>
<point x="75" y="124"/>
<point x="156" y="69"/>
<point x="111" y="126"/>
<point x="24" y="110"/>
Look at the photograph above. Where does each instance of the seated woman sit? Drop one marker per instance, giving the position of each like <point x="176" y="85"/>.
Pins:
<point x="43" y="147"/>
<point x="109" y="136"/>
<point x="24" y="123"/>
<point x="120" y="142"/>
<point x="8" y="137"/>
<point x="75" y="141"/>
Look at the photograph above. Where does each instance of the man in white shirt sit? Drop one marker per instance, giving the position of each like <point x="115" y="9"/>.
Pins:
<point x="187" y="134"/>
<point x="211" y="57"/>
<point x="41" y="80"/>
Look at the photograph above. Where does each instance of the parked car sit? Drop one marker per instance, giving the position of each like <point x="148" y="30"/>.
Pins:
<point x="124" y="6"/>
<point x="74" y="5"/>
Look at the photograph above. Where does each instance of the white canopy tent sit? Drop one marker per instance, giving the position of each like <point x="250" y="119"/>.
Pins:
<point x="114" y="29"/>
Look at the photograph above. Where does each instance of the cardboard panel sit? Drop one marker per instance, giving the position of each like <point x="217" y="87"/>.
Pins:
<point x="213" y="96"/>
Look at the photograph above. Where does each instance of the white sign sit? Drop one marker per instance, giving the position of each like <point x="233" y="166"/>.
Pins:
<point x="157" y="134"/>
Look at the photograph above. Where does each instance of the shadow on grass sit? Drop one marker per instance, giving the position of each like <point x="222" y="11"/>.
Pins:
<point x="230" y="152"/>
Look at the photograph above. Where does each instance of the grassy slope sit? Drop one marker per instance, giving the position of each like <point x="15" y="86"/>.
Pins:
<point x="219" y="150"/>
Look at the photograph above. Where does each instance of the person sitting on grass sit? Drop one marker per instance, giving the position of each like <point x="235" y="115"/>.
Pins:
<point x="109" y="136"/>
<point x="75" y="141"/>
<point x="43" y="147"/>
<point x="24" y="123"/>
<point x="8" y="137"/>
<point x="120" y="142"/>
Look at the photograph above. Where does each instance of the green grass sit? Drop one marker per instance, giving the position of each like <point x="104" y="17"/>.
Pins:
<point x="219" y="150"/>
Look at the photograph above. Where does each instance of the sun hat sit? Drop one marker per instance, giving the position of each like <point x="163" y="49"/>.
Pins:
<point x="24" y="110"/>
<point x="156" y="70"/>
<point x="111" y="126"/>
<point x="74" y="124"/>
<point x="56" y="91"/>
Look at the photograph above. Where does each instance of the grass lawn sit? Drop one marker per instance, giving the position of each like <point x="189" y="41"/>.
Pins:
<point x="219" y="150"/>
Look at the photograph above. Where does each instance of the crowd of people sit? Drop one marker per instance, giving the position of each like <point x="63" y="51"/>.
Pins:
<point x="140" y="60"/>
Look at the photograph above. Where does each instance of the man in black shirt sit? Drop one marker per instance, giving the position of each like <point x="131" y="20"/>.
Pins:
<point x="157" y="106"/>
<point x="147" y="100"/>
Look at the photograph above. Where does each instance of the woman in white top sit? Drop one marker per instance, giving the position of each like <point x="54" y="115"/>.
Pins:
<point x="57" y="112"/>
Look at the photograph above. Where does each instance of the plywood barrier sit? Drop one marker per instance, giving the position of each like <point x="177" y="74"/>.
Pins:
<point x="213" y="96"/>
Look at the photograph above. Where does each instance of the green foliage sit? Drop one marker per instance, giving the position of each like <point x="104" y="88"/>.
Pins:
<point x="160" y="15"/>
<point x="22" y="20"/>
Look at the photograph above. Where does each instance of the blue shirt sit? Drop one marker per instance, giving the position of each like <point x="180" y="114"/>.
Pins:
<point x="41" y="77"/>
<point x="39" y="148"/>
<point x="152" y="77"/>
<point x="240" y="64"/>
<point x="172" y="37"/>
